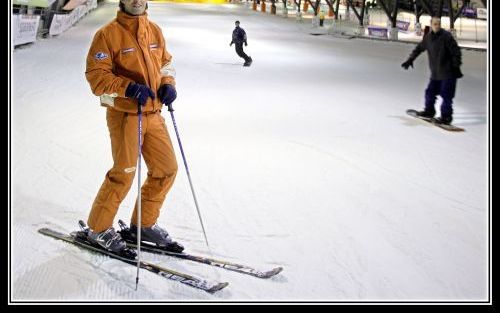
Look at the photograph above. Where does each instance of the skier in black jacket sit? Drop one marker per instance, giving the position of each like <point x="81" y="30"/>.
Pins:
<point x="445" y="59"/>
<point x="240" y="37"/>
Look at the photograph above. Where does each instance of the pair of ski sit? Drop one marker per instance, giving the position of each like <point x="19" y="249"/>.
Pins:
<point x="79" y="239"/>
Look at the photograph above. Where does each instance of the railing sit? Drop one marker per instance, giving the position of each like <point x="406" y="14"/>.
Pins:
<point x="30" y="23"/>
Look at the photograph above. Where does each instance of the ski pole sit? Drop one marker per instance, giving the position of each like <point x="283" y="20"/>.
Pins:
<point x="171" y="110"/>
<point x="139" y="196"/>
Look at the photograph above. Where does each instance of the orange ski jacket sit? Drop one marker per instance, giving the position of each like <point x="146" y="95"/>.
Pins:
<point x="128" y="49"/>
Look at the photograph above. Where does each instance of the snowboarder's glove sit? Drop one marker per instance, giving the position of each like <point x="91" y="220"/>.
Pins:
<point x="231" y="43"/>
<point x="457" y="72"/>
<point x="246" y="44"/>
<point x="407" y="64"/>
<point x="167" y="94"/>
<point x="139" y="92"/>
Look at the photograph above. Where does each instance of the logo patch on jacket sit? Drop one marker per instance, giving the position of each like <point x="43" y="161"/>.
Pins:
<point x="128" y="50"/>
<point x="100" y="56"/>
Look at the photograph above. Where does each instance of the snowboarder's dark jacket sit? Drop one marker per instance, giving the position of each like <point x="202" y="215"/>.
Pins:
<point x="239" y="36"/>
<point x="445" y="57"/>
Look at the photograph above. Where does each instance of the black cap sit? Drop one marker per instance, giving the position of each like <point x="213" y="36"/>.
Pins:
<point x="237" y="22"/>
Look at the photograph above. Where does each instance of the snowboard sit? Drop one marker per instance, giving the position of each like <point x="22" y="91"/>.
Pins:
<point x="434" y="122"/>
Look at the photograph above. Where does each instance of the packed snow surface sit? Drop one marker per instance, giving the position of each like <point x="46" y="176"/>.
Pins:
<point x="305" y="160"/>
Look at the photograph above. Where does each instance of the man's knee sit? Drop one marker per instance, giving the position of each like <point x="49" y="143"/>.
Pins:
<point x="165" y="170"/>
<point x="122" y="176"/>
<point x="431" y="90"/>
<point x="448" y="90"/>
<point x="120" y="180"/>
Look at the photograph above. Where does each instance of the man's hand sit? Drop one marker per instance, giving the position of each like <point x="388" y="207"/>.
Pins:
<point x="231" y="43"/>
<point x="407" y="64"/>
<point x="457" y="72"/>
<point x="167" y="94"/>
<point x="139" y="92"/>
<point x="246" y="44"/>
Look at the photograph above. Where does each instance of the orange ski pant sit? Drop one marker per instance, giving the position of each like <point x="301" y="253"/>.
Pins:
<point x="159" y="156"/>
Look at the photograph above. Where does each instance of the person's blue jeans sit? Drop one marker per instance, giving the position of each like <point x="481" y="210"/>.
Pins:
<point x="445" y="89"/>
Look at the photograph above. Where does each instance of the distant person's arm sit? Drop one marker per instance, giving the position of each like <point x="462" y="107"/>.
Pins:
<point x="456" y="56"/>
<point x="421" y="47"/>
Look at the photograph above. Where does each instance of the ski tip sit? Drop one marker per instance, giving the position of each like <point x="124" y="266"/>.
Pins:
<point x="43" y="230"/>
<point x="218" y="287"/>
<point x="273" y="272"/>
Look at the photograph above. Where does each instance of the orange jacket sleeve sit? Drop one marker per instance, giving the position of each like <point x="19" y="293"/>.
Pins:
<point x="166" y="63"/>
<point x="99" y="72"/>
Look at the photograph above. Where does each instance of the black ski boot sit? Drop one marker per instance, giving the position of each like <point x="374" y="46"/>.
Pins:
<point x="108" y="240"/>
<point x="155" y="235"/>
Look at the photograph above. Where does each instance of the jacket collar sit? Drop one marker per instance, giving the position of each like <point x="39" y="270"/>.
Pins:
<point x="131" y="22"/>
<point x="438" y="33"/>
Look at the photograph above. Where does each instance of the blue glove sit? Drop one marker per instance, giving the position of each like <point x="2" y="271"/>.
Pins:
<point x="139" y="92"/>
<point x="167" y="94"/>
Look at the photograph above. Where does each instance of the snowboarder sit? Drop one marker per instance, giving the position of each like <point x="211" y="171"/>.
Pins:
<point x="128" y="65"/>
<point x="240" y="37"/>
<point x="445" y="59"/>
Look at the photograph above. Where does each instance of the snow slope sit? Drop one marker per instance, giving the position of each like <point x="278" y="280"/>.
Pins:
<point x="306" y="160"/>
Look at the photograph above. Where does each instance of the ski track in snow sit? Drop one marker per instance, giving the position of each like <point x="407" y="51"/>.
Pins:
<point x="306" y="160"/>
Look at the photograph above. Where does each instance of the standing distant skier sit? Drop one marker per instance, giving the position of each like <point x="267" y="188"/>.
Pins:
<point x="240" y="37"/>
<point x="321" y="18"/>
<point x="445" y="59"/>
<point x="128" y="65"/>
